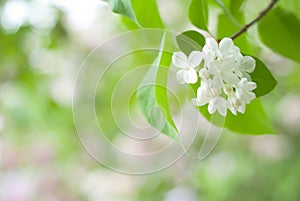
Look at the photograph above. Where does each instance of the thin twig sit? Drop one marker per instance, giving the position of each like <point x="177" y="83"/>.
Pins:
<point x="261" y="14"/>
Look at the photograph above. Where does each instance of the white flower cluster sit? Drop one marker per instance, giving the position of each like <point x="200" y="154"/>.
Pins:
<point x="225" y="82"/>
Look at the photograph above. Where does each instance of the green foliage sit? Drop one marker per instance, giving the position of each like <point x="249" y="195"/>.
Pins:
<point x="153" y="97"/>
<point x="122" y="7"/>
<point x="292" y="6"/>
<point x="226" y="28"/>
<point x="263" y="78"/>
<point x="227" y="12"/>
<point x="38" y="129"/>
<point x="145" y="14"/>
<point x="280" y="31"/>
<point x="189" y="41"/>
<point x="260" y="124"/>
<point x="253" y="122"/>
<point x="235" y="7"/>
<point x="198" y="14"/>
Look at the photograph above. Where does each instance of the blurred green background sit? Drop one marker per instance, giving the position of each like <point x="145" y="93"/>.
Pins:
<point x="42" y="45"/>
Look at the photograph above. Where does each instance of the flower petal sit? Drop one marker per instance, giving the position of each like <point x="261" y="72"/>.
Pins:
<point x="233" y="110"/>
<point x="228" y="63"/>
<point x="237" y="54"/>
<point x="230" y="78"/>
<point x="198" y="102"/>
<point x="179" y="60"/>
<point x="250" y="96"/>
<point x="217" y="82"/>
<point x="239" y="73"/>
<point x="242" y="108"/>
<point x="238" y="93"/>
<point x="222" y="109"/>
<point x="195" y="59"/>
<point x="213" y="66"/>
<point x="237" y="50"/>
<point x="232" y="104"/>
<point x="242" y="83"/>
<point x="204" y="73"/>
<point x="246" y="75"/>
<point x="249" y="86"/>
<point x="218" y="103"/>
<point x="195" y="102"/>
<point x="212" y="106"/>
<point x="247" y="64"/>
<point x="180" y="76"/>
<point x="226" y="45"/>
<point x="203" y="95"/>
<point x="190" y="76"/>
<point x="208" y="84"/>
<point x="212" y="44"/>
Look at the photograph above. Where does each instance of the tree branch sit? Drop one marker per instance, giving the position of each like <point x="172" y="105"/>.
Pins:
<point x="261" y="14"/>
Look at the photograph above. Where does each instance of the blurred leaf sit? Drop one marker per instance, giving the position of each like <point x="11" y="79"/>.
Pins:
<point x="144" y="13"/>
<point x="226" y="12"/>
<point x="161" y="92"/>
<point x="280" y="31"/>
<point x="189" y="41"/>
<point x="58" y="36"/>
<point x="198" y="14"/>
<point x="253" y="122"/>
<point x="147" y="13"/>
<point x="235" y="7"/>
<point x="226" y="28"/>
<point x="129" y="24"/>
<point x="14" y="60"/>
<point x="263" y="78"/>
<point x="122" y="7"/>
<point x="291" y="6"/>
<point x="153" y="97"/>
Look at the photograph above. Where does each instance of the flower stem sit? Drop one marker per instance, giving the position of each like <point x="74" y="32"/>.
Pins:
<point x="261" y="14"/>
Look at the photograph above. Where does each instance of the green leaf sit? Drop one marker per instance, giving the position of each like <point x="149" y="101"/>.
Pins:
<point x="235" y="7"/>
<point x="122" y="7"/>
<point x="226" y="28"/>
<point x="253" y="122"/>
<point x="189" y="41"/>
<point x="263" y="78"/>
<point x="228" y="14"/>
<point x="198" y="14"/>
<point x="152" y="96"/>
<point x="280" y="31"/>
<point x="161" y="92"/>
<point x="292" y="6"/>
<point x="144" y="14"/>
<point x="147" y="13"/>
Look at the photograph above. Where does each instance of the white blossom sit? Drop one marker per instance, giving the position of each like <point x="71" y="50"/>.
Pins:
<point x="206" y="92"/>
<point x="210" y="49"/>
<point x="235" y="105"/>
<point x="217" y="104"/>
<point x="244" y="91"/>
<point x="225" y="80"/>
<point x="209" y="92"/>
<point x="187" y="73"/>
<point x="203" y="96"/>
<point x="244" y="66"/>
<point x="224" y="70"/>
<point x="204" y="73"/>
